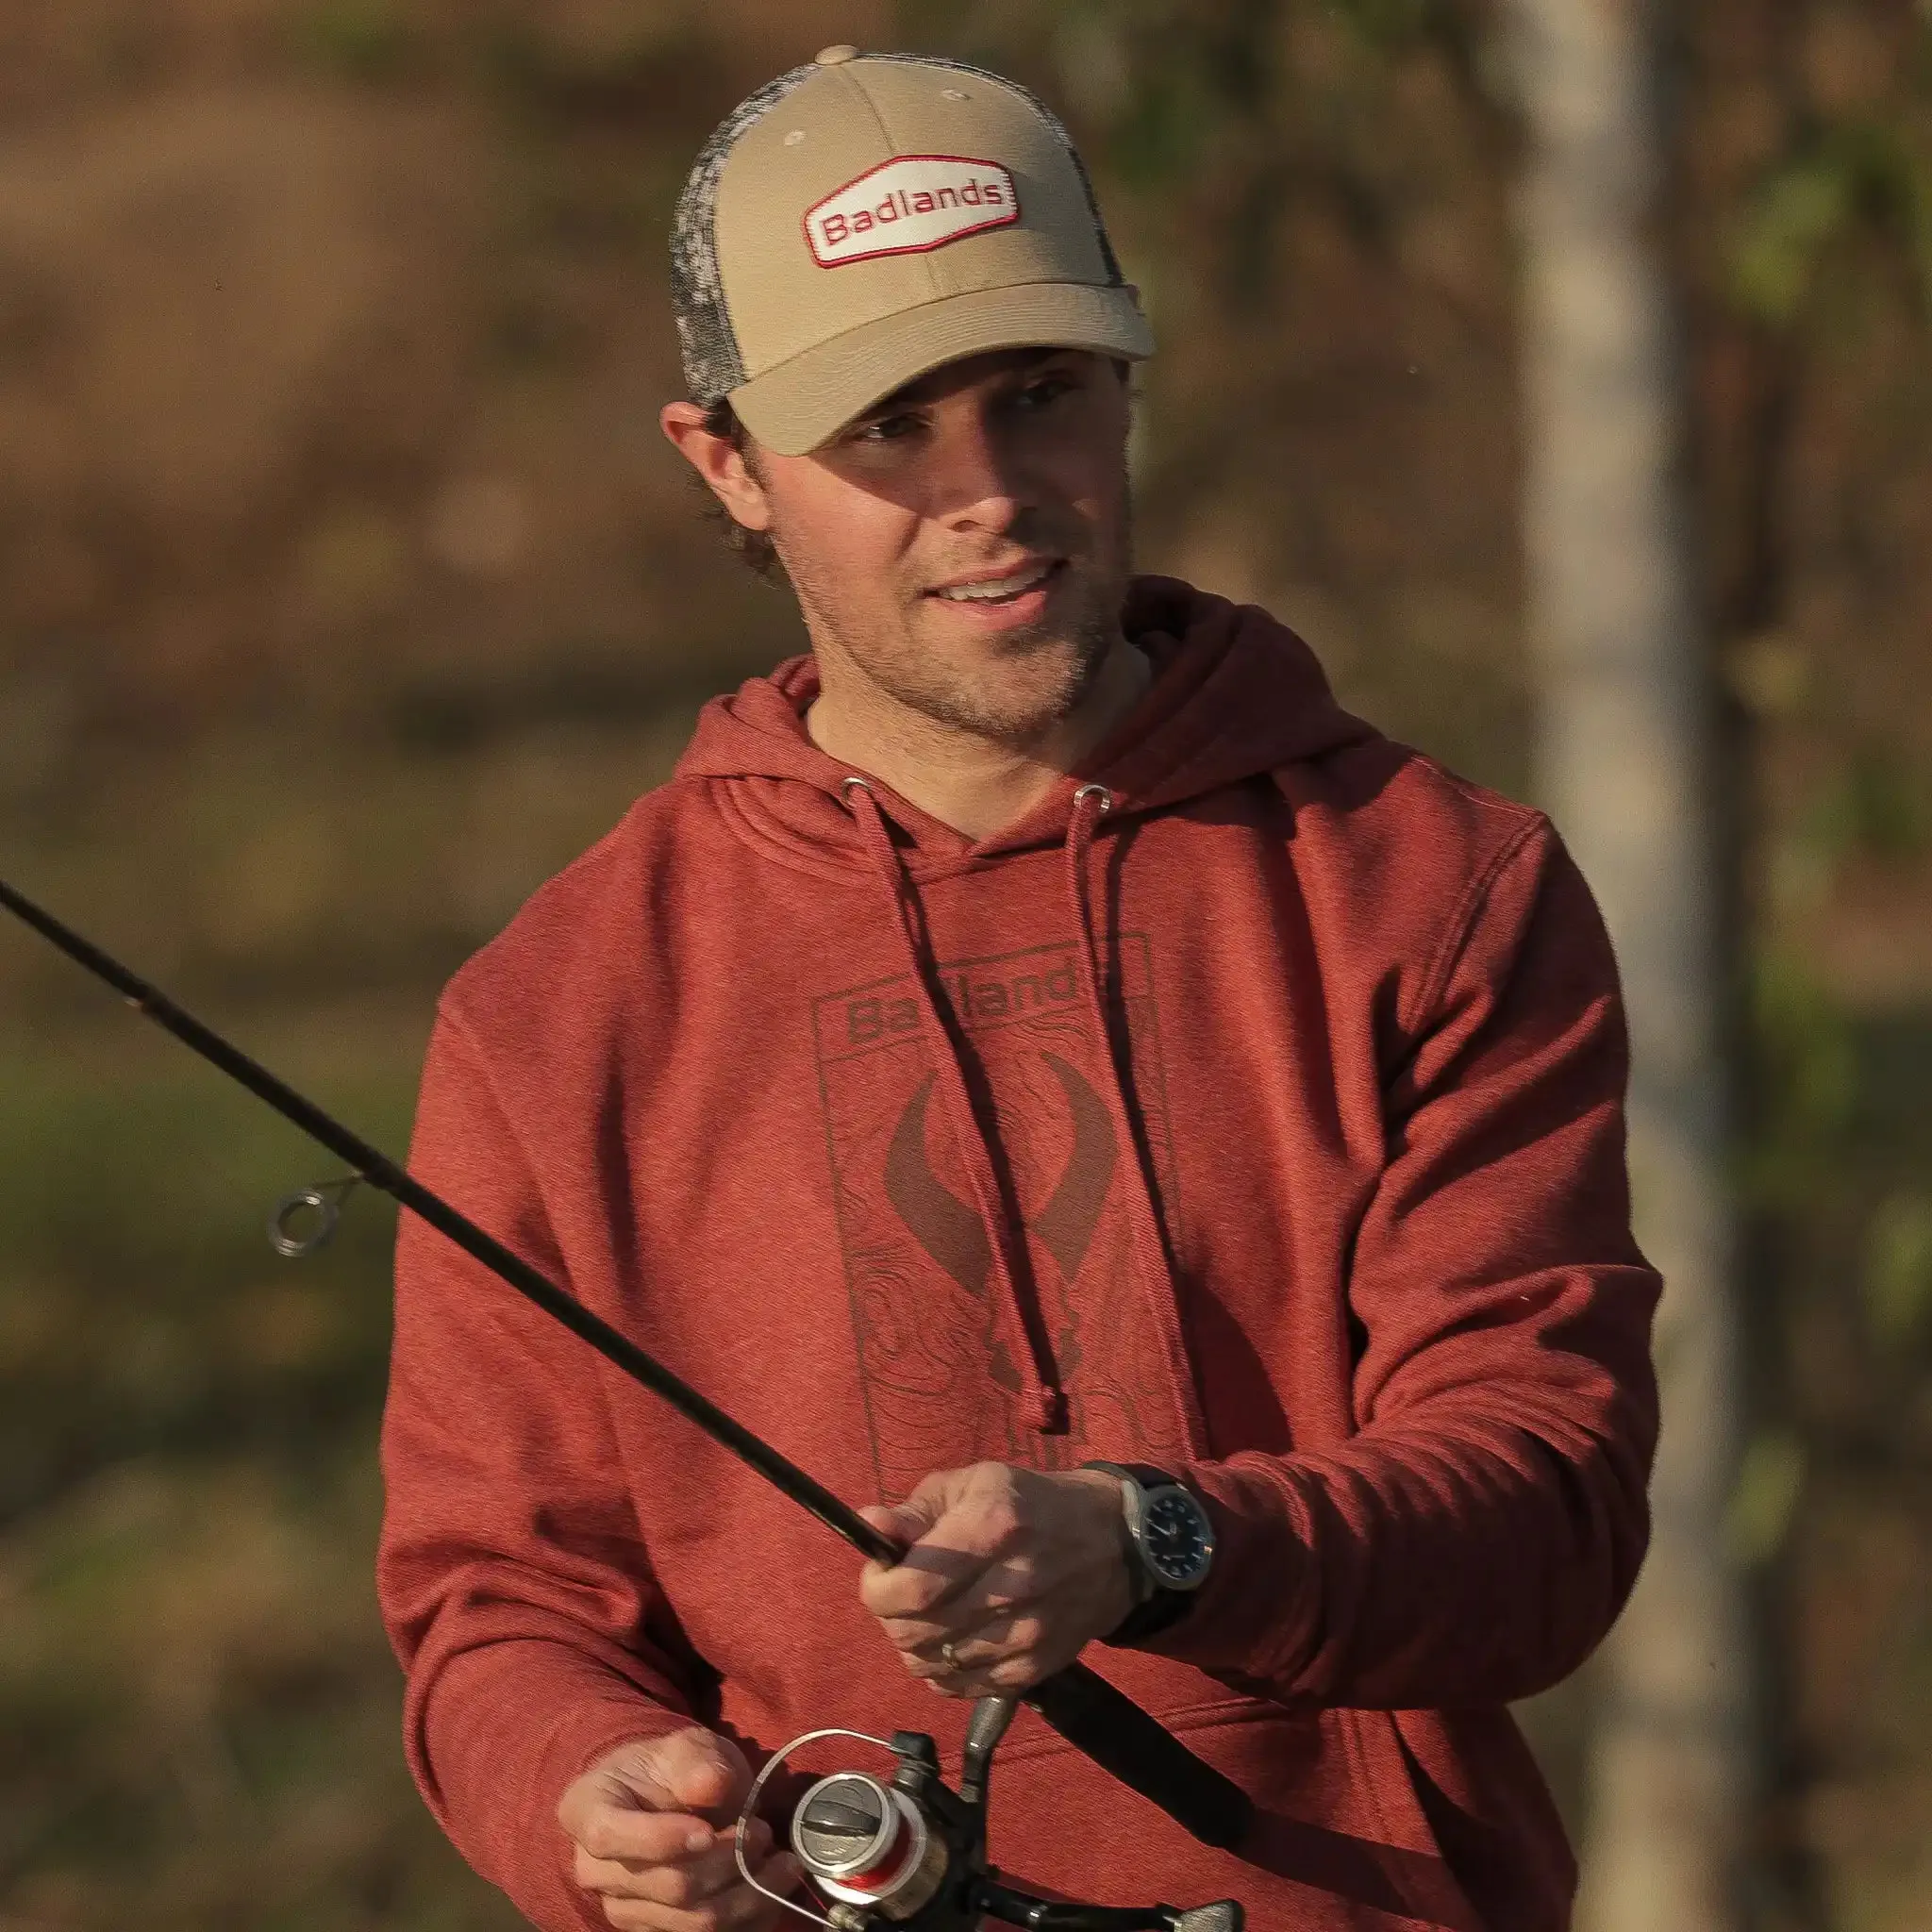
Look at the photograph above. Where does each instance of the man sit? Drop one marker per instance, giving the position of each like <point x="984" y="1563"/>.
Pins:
<point x="1036" y="1029"/>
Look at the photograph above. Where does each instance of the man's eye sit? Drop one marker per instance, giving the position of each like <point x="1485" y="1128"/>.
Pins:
<point x="886" y="429"/>
<point x="1049" y="389"/>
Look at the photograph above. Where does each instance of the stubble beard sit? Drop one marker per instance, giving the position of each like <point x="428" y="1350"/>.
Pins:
<point x="1069" y="656"/>
<point x="967" y="700"/>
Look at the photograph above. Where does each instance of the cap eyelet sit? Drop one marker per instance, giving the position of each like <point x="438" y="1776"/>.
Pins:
<point x="793" y="139"/>
<point x="952" y="93"/>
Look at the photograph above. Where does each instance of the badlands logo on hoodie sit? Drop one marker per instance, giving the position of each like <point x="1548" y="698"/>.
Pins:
<point x="917" y="1256"/>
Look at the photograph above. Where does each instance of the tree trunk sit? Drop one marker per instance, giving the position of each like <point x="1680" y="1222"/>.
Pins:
<point x="1623" y="678"/>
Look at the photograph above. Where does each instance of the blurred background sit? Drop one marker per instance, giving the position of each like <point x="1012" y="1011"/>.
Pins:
<point x="347" y="591"/>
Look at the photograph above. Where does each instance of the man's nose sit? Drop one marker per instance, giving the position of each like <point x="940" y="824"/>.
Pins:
<point x="974" y="476"/>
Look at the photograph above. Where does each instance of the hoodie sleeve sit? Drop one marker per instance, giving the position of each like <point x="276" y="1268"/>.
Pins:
<point x="1476" y="1536"/>
<point x="511" y="1578"/>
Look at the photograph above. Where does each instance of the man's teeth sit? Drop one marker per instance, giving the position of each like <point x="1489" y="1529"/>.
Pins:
<point x="997" y="591"/>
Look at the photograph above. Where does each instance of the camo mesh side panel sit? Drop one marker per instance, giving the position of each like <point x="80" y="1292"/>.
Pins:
<point x="706" y="340"/>
<point x="713" y="366"/>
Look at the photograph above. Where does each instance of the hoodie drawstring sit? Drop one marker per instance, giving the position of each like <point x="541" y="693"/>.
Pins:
<point x="1043" y="1401"/>
<point x="1150" y="1248"/>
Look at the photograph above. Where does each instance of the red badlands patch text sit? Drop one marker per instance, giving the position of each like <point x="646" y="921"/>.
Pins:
<point x="914" y="203"/>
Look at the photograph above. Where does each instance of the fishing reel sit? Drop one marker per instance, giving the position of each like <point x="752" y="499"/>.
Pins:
<point x="907" y="1852"/>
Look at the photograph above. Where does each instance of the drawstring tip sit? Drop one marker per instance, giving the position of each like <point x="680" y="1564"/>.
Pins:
<point x="1049" y="1410"/>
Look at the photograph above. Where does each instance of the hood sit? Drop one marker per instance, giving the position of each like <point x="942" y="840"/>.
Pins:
<point x="1235" y="693"/>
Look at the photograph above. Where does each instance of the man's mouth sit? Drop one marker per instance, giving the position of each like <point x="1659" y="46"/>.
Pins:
<point x="1006" y="589"/>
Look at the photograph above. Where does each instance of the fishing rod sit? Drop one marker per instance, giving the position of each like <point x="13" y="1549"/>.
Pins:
<point x="1098" y="1718"/>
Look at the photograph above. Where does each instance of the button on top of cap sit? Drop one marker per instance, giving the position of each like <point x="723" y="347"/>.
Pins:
<point x="831" y="57"/>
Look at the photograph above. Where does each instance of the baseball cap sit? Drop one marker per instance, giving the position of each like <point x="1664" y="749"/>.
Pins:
<point x="866" y="217"/>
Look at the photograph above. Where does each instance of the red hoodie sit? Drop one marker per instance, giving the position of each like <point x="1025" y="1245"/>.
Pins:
<point x="1254" y="1111"/>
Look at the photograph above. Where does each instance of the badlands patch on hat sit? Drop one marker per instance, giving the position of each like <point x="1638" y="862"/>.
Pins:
<point x="866" y="217"/>
<point x="938" y="197"/>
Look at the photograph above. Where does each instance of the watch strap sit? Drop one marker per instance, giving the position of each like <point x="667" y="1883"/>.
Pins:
<point x="1147" y="1619"/>
<point x="1142" y="1473"/>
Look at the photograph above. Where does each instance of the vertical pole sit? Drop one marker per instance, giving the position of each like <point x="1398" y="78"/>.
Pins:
<point x="1624" y="728"/>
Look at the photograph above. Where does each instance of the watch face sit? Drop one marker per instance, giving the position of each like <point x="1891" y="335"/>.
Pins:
<point x="1177" y="1538"/>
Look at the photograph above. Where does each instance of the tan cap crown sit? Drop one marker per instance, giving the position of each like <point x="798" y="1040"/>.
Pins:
<point x="868" y="217"/>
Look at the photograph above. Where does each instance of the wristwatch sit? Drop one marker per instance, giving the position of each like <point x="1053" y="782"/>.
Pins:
<point x="1171" y="1548"/>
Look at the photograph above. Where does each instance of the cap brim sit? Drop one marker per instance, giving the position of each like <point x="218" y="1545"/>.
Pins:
<point x="807" y="400"/>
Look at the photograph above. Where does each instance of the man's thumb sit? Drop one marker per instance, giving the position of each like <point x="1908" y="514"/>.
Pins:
<point x="690" y="1770"/>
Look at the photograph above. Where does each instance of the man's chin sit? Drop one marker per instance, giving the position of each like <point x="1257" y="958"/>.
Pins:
<point x="1025" y="707"/>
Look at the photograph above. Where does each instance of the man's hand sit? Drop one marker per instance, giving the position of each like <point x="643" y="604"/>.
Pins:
<point x="1018" y="1570"/>
<point x="642" y="1820"/>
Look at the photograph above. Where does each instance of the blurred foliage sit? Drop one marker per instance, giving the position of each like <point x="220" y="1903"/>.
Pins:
<point x="137" y="1200"/>
<point x="1765" y="1499"/>
<point x="1898" y="1268"/>
<point x="361" y="39"/>
<point x="198" y="1715"/>
<point x="1861" y="174"/>
<point x="347" y="593"/>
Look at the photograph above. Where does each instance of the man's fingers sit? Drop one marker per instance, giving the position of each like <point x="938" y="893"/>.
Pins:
<point x="687" y="1773"/>
<point x="651" y="1838"/>
<point x="1009" y="1626"/>
<point x="735" y="1909"/>
<point x="930" y="1576"/>
<point x="685" y="1880"/>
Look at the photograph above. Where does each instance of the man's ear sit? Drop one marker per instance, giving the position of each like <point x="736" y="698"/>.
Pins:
<point x="723" y="466"/>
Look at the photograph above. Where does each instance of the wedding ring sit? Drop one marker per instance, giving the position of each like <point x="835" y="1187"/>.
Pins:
<point x="946" y="1652"/>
